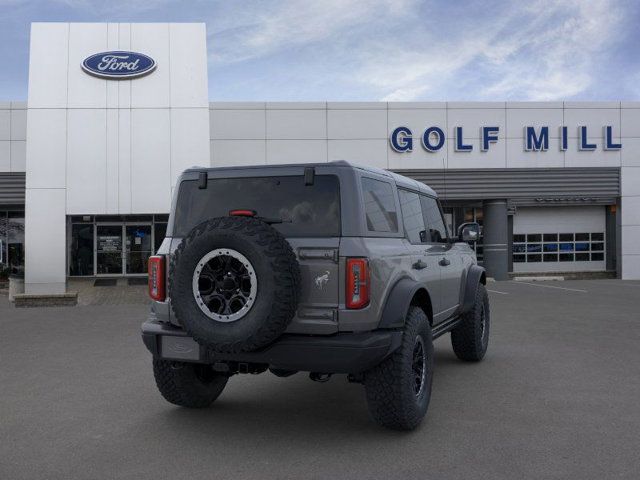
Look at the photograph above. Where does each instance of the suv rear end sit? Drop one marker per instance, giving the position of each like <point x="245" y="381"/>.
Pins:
<point x="310" y="202"/>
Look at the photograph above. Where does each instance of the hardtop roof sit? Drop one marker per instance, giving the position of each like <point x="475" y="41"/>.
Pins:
<point x="400" y="180"/>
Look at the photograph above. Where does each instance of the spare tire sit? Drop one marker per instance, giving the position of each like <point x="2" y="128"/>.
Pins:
<point x="234" y="284"/>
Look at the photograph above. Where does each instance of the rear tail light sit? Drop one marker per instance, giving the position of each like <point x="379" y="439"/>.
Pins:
<point x="242" y="213"/>
<point x="157" y="278"/>
<point x="357" y="282"/>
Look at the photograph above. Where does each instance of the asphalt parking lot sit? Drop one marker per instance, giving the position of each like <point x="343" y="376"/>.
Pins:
<point x="557" y="396"/>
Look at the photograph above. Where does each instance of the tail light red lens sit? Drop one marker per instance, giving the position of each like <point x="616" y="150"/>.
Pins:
<point x="358" y="287"/>
<point x="157" y="278"/>
<point x="242" y="213"/>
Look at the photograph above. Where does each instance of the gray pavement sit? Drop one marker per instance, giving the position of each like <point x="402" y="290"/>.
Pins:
<point x="556" y="397"/>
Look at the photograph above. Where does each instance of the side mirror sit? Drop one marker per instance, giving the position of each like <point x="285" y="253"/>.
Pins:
<point x="469" y="232"/>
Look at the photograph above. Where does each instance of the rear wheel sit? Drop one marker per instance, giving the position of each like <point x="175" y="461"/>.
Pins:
<point x="189" y="385"/>
<point x="470" y="339"/>
<point x="399" y="389"/>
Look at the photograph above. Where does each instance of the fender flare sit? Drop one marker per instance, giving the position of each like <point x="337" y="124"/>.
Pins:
<point x="475" y="276"/>
<point x="398" y="301"/>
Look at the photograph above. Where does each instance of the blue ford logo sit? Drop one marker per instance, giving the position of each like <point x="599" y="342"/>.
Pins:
<point x="118" y="65"/>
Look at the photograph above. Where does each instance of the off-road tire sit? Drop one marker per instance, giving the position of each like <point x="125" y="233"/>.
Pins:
<point x="469" y="339"/>
<point x="389" y="386"/>
<point x="278" y="279"/>
<point x="188" y="385"/>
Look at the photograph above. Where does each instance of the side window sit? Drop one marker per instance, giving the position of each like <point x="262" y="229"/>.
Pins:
<point x="380" y="206"/>
<point x="436" y="231"/>
<point x="412" y="216"/>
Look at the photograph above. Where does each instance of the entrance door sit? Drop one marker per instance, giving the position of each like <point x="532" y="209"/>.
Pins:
<point x="138" y="248"/>
<point x="109" y="250"/>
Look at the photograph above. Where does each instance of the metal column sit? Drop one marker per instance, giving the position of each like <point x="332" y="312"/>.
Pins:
<point x="496" y="239"/>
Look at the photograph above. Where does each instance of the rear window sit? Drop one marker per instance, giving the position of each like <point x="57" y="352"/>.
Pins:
<point x="307" y="210"/>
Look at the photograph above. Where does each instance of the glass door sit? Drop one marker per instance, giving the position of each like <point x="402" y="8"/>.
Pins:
<point x="109" y="250"/>
<point x="138" y="245"/>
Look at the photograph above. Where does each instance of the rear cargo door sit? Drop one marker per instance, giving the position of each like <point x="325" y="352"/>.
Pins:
<point x="319" y="269"/>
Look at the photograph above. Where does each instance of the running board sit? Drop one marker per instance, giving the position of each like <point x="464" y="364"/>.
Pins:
<point x="445" y="327"/>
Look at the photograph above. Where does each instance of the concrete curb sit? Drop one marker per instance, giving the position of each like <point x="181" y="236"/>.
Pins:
<point x="24" y="300"/>
<point x="539" y="279"/>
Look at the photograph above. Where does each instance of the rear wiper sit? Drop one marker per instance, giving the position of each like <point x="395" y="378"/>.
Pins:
<point x="271" y="221"/>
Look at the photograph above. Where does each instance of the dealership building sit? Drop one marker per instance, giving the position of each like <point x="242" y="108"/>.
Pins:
<point x="115" y="112"/>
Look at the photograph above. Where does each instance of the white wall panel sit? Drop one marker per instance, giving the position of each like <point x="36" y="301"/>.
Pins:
<point x="517" y="157"/>
<point x="418" y="120"/>
<point x="237" y="124"/>
<point x="296" y="124"/>
<point x="5" y="124"/>
<point x="111" y="162"/>
<point x="630" y="267"/>
<point x="630" y="235"/>
<point x="597" y="158"/>
<point x="630" y="211"/>
<point x="364" y="152"/>
<point x="124" y="161"/>
<point x="357" y="124"/>
<point x="18" y="156"/>
<point x="18" y="124"/>
<point x="153" y="90"/>
<point x="188" y="57"/>
<point x="630" y="153"/>
<point x="630" y="181"/>
<point x="630" y="118"/>
<point x="45" y="241"/>
<point x="5" y="156"/>
<point x="238" y="152"/>
<point x="593" y="119"/>
<point x="86" y="91"/>
<point x="471" y="119"/>
<point x="86" y="161"/>
<point x="47" y="148"/>
<point x="113" y="43"/>
<point x="418" y="158"/>
<point x="124" y="87"/>
<point x="48" y="65"/>
<point x="296" y="151"/>
<point x="495" y="157"/>
<point x="150" y="161"/>
<point x="189" y="140"/>
<point x="518" y="118"/>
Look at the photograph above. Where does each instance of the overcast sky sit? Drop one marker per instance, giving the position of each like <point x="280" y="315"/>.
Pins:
<point x="402" y="50"/>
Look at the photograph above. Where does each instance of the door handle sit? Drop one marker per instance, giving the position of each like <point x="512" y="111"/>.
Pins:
<point x="419" y="265"/>
<point x="444" y="262"/>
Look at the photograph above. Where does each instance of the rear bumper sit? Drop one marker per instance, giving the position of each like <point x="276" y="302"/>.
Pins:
<point x="339" y="353"/>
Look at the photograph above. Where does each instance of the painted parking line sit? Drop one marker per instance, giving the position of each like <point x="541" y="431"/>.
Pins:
<point x="496" y="291"/>
<point x="551" y="286"/>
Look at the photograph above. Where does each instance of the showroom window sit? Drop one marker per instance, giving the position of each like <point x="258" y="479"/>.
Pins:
<point x="113" y="245"/>
<point x="11" y="242"/>
<point x="558" y="247"/>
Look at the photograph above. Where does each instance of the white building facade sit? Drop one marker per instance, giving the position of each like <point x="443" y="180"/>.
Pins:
<point x="556" y="184"/>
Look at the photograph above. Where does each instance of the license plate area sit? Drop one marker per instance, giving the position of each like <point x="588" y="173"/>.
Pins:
<point x="179" y="348"/>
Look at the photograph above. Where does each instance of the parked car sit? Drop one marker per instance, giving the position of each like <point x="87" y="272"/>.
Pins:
<point x="325" y="268"/>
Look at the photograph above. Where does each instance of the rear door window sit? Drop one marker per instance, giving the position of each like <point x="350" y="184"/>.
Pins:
<point x="380" y="206"/>
<point x="306" y="210"/>
<point x="412" y="216"/>
<point x="436" y="231"/>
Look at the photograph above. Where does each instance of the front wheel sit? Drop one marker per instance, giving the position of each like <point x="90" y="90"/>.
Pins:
<point x="399" y="389"/>
<point x="470" y="338"/>
<point x="189" y="385"/>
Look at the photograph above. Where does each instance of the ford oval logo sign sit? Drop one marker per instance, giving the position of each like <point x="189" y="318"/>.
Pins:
<point x="118" y="65"/>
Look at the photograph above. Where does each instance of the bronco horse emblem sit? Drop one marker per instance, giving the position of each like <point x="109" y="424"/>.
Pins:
<point x="321" y="280"/>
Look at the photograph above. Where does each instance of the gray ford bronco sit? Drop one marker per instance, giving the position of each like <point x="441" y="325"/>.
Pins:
<point x="328" y="268"/>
